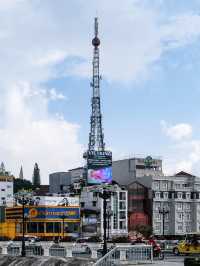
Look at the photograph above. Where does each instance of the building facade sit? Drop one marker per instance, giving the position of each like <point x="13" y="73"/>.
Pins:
<point x="128" y="170"/>
<point x="140" y="205"/>
<point x="46" y="217"/>
<point x="6" y="187"/>
<point x="62" y="182"/>
<point x="179" y="197"/>
<point x="92" y="212"/>
<point x="59" y="182"/>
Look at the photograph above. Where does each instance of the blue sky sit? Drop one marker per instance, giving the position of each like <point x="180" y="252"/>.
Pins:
<point x="149" y="60"/>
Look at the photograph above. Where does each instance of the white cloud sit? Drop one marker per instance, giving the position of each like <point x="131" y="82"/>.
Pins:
<point x="184" y="151"/>
<point x="178" y="131"/>
<point x="30" y="136"/>
<point x="54" y="95"/>
<point x="52" y="57"/>
<point x="181" y="30"/>
<point x="37" y="36"/>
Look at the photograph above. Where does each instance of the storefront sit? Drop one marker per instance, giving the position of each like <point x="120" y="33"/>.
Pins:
<point x="44" y="221"/>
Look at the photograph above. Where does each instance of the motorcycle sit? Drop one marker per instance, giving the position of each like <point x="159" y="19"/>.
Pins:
<point x="157" y="252"/>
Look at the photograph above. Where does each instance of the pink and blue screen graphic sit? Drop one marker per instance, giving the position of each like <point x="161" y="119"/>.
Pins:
<point x="98" y="176"/>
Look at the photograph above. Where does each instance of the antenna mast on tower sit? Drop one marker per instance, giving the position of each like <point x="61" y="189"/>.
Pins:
<point x="96" y="155"/>
<point x="96" y="137"/>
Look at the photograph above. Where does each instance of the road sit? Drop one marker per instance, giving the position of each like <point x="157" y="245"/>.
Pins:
<point x="170" y="261"/>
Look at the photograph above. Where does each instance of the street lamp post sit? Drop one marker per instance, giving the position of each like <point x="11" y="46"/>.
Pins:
<point x="23" y="197"/>
<point x="109" y="215"/>
<point x="104" y="195"/>
<point x="163" y="211"/>
<point x="63" y="225"/>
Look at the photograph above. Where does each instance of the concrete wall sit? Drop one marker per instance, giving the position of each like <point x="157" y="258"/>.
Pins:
<point x="57" y="180"/>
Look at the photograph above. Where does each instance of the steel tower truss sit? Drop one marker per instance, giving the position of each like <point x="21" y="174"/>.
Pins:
<point x="96" y="137"/>
<point x="96" y="155"/>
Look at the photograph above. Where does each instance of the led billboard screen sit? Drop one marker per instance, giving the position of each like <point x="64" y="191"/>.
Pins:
<point x="99" y="176"/>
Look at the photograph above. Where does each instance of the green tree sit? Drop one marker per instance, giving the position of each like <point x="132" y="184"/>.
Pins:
<point x="36" y="176"/>
<point x="145" y="230"/>
<point x="20" y="184"/>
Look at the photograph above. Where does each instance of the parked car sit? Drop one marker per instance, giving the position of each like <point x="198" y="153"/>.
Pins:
<point x="81" y="246"/>
<point x="190" y="245"/>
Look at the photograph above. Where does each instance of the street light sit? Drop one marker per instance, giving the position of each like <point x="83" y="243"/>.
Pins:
<point x="63" y="224"/>
<point x="23" y="197"/>
<point x="106" y="194"/>
<point x="163" y="211"/>
<point x="109" y="215"/>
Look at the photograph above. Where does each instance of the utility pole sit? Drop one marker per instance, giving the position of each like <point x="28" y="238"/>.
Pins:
<point x="105" y="195"/>
<point x="163" y="211"/>
<point x="23" y="197"/>
<point x="109" y="215"/>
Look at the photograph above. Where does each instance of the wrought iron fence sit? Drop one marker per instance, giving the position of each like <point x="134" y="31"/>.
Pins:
<point x="131" y="254"/>
<point x="57" y="251"/>
<point x="13" y="250"/>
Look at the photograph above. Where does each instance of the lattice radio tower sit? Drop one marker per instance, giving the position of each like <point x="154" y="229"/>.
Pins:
<point x="96" y="138"/>
<point x="96" y="144"/>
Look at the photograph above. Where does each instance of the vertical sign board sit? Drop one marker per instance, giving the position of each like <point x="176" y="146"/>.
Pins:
<point x="99" y="167"/>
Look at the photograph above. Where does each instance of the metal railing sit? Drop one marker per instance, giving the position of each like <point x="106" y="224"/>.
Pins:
<point x="13" y="250"/>
<point x="57" y="251"/>
<point x="131" y="254"/>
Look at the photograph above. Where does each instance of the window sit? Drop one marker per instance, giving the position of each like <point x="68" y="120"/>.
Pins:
<point x="57" y="227"/>
<point x="164" y="185"/>
<point x="157" y="205"/>
<point x="165" y="195"/>
<point x="177" y="186"/>
<point x="180" y="216"/>
<point x="179" y="195"/>
<point x="187" y="195"/>
<point x="157" y="216"/>
<point x="3" y="198"/>
<point x="188" y="216"/>
<point x="122" y="225"/>
<point x="122" y="205"/>
<point x="157" y="195"/>
<point x="82" y="204"/>
<point x="187" y="206"/>
<point x="3" y="189"/>
<point x="178" y="206"/>
<point x="156" y="185"/>
<point x="122" y="215"/>
<point x="180" y="227"/>
<point x="157" y="226"/>
<point x="188" y="229"/>
<point x="32" y="227"/>
<point x="122" y="195"/>
<point x="40" y="227"/>
<point x="94" y="203"/>
<point x="49" y="227"/>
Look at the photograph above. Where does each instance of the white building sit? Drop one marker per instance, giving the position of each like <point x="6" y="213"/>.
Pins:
<point x="179" y="195"/>
<point x="92" y="211"/>
<point x="6" y="188"/>
<point x="128" y="170"/>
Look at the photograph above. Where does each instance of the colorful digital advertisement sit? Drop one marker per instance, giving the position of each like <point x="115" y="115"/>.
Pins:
<point x="99" y="176"/>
